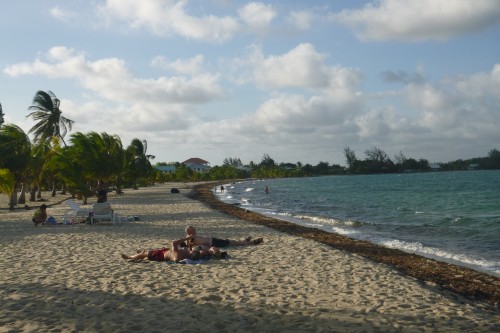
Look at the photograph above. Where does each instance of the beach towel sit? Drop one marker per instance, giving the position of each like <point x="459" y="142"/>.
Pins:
<point x="192" y="262"/>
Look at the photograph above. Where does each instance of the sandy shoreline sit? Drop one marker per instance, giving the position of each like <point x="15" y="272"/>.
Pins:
<point x="70" y="278"/>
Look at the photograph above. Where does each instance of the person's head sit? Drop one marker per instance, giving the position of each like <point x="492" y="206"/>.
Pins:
<point x="43" y="207"/>
<point x="214" y="251"/>
<point x="195" y="255"/>
<point x="190" y="230"/>
<point x="217" y="253"/>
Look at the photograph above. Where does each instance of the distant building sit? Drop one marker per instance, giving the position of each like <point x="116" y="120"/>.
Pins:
<point x="197" y="164"/>
<point x="473" y="166"/>
<point x="166" y="168"/>
<point x="435" y="166"/>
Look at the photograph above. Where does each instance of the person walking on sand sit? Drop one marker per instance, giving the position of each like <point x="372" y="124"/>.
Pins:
<point x="175" y="253"/>
<point x="195" y="239"/>
<point x="40" y="215"/>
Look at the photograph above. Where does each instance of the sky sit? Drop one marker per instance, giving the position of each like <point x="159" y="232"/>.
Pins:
<point x="297" y="80"/>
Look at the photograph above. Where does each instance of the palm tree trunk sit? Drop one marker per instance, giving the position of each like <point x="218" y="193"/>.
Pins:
<point x="13" y="198"/>
<point x="22" y="196"/>
<point x="53" y="188"/>
<point x="63" y="191"/>
<point x="12" y="201"/>
<point x="33" y="194"/>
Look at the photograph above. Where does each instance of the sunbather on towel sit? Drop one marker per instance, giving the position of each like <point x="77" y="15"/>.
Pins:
<point x="192" y="252"/>
<point x="195" y="239"/>
<point x="175" y="253"/>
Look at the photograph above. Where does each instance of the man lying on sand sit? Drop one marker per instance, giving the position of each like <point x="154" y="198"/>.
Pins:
<point x="179" y="252"/>
<point x="195" y="239"/>
<point x="175" y="253"/>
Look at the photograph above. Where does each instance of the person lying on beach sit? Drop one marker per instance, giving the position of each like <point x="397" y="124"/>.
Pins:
<point x="175" y="253"/>
<point x="195" y="239"/>
<point x="192" y="252"/>
<point x="40" y="215"/>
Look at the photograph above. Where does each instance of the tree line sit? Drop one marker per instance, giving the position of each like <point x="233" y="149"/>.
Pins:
<point x="376" y="161"/>
<point x="48" y="163"/>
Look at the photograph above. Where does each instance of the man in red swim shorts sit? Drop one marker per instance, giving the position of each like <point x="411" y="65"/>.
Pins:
<point x="175" y="253"/>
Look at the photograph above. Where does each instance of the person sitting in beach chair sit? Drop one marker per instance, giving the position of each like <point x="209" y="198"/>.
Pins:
<point x="40" y="215"/>
<point x="195" y="239"/>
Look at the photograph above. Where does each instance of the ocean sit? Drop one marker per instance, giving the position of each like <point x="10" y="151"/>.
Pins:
<point x="448" y="216"/>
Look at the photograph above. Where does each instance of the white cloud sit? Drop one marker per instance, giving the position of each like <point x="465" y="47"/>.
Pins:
<point x="62" y="15"/>
<point x="257" y="15"/>
<point x="167" y="17"/>
<point x="422" y="119"/>
<point x="111" y="79"/>
<point x="301" y="20"/>
<point x="414" y="20"/>
<point x="300" y="67"/>
<point x="192" y="65"/>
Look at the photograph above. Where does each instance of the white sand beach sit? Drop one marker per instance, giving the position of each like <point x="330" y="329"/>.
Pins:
<point x="70" y="278"/>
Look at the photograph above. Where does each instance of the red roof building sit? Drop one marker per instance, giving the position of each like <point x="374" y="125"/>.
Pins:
<point x="195" y="160"/>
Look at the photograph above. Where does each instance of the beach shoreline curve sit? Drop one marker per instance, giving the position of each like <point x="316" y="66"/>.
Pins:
<point x="474" y="285"/>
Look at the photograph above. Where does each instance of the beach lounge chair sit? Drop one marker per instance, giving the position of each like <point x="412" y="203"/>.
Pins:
<point x="102" y="211"/>
<point x="76" y="211"/>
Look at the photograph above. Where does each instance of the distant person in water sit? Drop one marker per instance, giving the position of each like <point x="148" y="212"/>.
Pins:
<point x="266" y="190"/>
<point x="222" y="189"/>
<point x="40" y="215"/>
<point x="195" y="239"/>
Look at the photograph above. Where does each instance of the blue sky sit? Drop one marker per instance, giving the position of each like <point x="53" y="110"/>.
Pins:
<point x="297" y="80"/>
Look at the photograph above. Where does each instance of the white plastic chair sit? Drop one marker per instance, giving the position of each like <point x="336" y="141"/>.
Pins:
<point x="102" y="211"/>
<point x="76" y="211"/>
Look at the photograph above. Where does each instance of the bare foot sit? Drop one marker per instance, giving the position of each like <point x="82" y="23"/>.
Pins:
<point x="124" y="256"/>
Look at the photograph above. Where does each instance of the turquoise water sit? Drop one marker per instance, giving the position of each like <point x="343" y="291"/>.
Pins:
<point x="449" y="216"/>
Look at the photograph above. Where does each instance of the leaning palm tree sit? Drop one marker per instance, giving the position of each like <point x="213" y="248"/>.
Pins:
<point x="50" y="122"/>
<point x="137" y="160"/>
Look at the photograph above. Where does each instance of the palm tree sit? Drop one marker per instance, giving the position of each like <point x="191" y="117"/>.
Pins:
<point x="15" y="149"/>
<point x="7" y="185"/>
<point x="40" y="154"/>
<point x="138" y="164"/>
<point x="1" y="115"/>
<point x="48" y="116"/>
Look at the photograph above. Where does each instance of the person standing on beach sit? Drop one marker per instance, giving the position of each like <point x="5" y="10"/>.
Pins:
<point x="101" y="192"/>
<point x="175" y="253"/>
<point x="194" y="239"/>
<point x="40" y="215"/>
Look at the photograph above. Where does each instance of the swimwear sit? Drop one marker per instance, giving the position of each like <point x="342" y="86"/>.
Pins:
<point x="157" y="254"/>
<point x="217" y="242"/>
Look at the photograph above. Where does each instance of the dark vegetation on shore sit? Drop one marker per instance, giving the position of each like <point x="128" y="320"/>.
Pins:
<point x="461" y="280"/>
